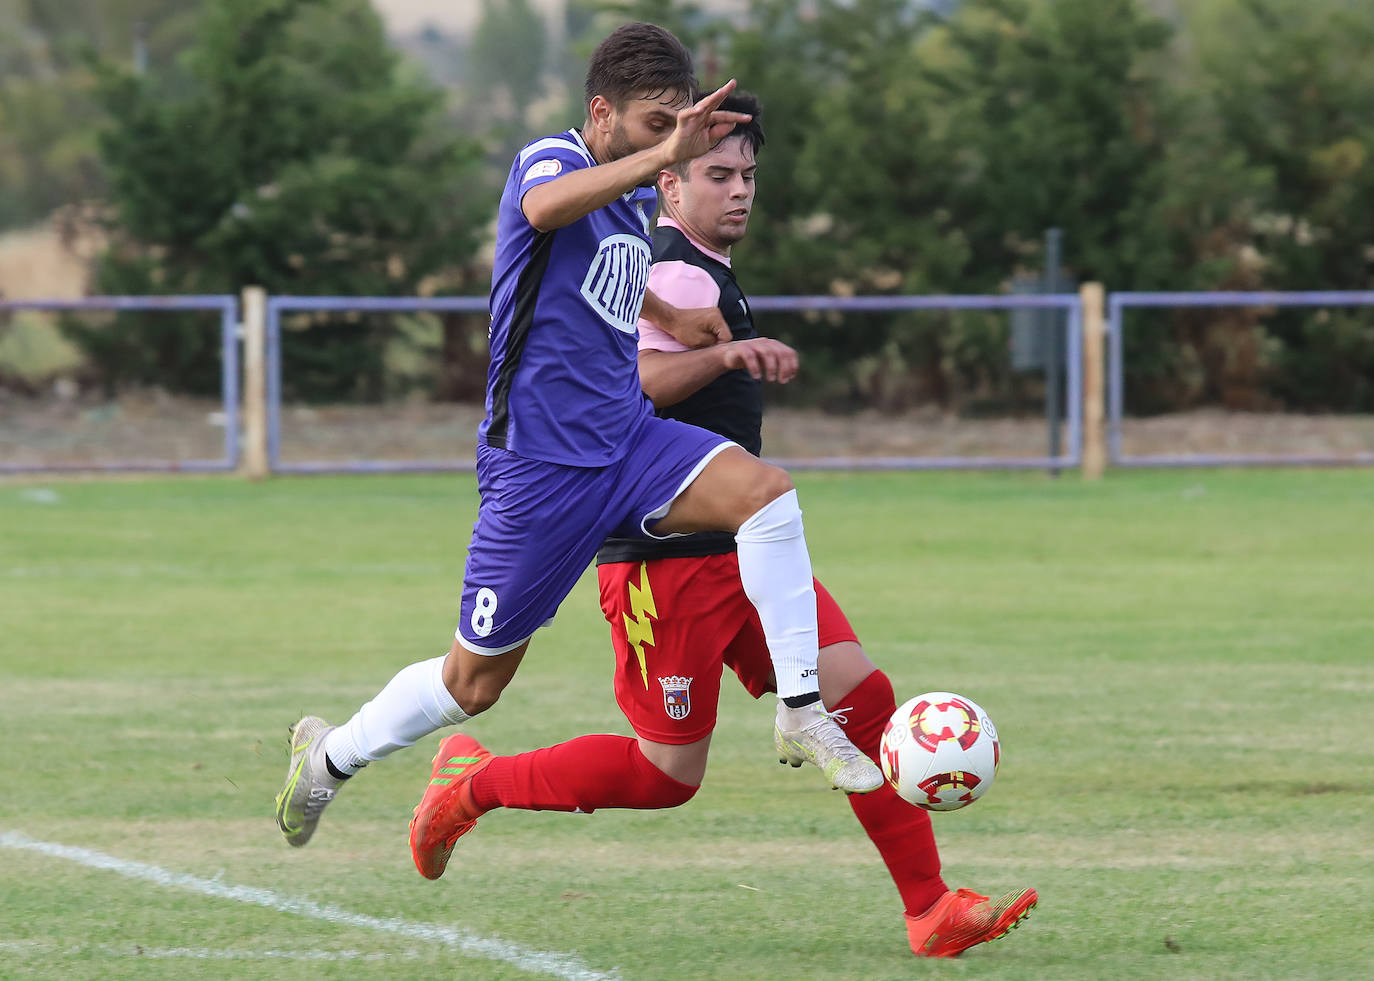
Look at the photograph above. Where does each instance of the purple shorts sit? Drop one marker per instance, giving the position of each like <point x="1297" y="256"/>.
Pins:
<point x="539" y="525"/>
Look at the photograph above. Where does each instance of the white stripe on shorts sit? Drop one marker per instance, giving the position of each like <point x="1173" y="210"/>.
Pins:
<point x="492" y="651"/>
<point x="663" y="508"/>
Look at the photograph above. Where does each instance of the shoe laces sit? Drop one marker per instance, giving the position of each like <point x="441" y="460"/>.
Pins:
<point x="323" y="786"/>
<point x="317" y="799"/>
<point x="838" y="714"/>
<point x="826" y="728"/>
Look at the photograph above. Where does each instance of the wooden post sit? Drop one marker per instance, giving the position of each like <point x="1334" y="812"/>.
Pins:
<point x="254" y="308"/>
<point x="1094" y="391"/>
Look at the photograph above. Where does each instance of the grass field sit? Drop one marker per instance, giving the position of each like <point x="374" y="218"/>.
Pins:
<point x="1179" y="665"/>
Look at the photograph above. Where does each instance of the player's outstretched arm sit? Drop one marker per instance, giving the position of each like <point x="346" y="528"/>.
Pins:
<point x="668" y="377"/>
<point x="696" y="327"/>
<point x="577" y="194"/>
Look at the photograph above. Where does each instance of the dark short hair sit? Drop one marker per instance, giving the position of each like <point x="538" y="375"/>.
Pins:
<point x="640" y="61"/>
<point x="751" y="132"/>
<point x="746" y="102"/>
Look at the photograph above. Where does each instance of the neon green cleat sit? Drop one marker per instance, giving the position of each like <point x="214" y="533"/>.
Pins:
<point x="810" y="734"/>
<point x="309" y="784"/>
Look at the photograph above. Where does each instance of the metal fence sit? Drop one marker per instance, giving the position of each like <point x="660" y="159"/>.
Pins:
<point x="1118" y="303"/>
<point x="348" y="304"/>
<point x="1069" y="302"/>
<point x="228" y="307"/>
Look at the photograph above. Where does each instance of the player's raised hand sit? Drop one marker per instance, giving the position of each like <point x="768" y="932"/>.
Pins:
<point x="703" y="126"/>
<point x="763" y="358"/>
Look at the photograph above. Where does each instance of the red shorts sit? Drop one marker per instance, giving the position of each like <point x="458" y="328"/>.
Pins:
<point x="674" y="623"/>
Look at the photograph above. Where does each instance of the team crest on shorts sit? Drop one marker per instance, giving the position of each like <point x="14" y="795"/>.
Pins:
<point x="677" y="699"/>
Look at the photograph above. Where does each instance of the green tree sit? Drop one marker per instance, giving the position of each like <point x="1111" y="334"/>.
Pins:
<point x="933" y="152"/>
<point x="1293" y="88"/>
<point x="506" y="82"/>
<point x="295" y="155"/>
<point x="1066" y="115"/>
<point x="48" y="118"/>
<point x="507" y="56"/>
<point x="826" y="79"/>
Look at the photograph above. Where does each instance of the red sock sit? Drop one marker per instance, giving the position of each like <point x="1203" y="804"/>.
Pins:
<point x="579" y="775"/>
<point x="901" y="831"/>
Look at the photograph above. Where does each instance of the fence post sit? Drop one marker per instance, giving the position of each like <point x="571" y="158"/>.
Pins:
<point x="1094" y="439"/>
<point x="254" y="383"/>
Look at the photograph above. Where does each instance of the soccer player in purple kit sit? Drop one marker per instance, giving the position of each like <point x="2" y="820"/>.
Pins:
<point x="678" y="614"/>
<point x="571" y="452"/>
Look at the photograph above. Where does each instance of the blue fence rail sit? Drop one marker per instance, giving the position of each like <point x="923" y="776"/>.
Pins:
<point x="1118" y="303"/>
<point x="1073" y="332"/>
<point x="228" y="307"/>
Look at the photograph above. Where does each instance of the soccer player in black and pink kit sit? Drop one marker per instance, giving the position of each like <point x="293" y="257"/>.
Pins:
<point x="677" y="610"/>
<point x="571" y="452"/>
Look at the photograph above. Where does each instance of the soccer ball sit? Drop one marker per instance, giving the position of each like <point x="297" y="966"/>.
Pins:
<point x="940" y="751"/>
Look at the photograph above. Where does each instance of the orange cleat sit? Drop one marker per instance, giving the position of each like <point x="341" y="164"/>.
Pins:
<point x="959" y="920"/>
<point x="446" y="812"/>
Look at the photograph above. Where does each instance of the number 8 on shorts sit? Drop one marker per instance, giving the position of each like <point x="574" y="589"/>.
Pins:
<point x="484" y="612"/>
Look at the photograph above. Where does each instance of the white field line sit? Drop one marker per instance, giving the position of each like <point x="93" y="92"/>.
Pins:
<point x="550" y="963"/>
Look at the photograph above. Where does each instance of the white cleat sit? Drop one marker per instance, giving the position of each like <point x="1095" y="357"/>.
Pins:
<point x="810" y="734"/>
<point x="309" y="784"/>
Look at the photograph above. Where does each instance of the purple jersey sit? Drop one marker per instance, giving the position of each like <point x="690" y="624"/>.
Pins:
<point x="563" y="386"/>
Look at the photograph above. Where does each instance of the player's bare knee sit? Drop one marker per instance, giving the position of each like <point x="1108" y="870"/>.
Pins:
<point x="770" y="484"/>
<point x="475" y="704"/>
<point x="775" y="482"/>
<point x="475" y="696"/>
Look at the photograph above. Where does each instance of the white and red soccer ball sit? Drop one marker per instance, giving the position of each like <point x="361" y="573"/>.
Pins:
<point x="940" y="751"/>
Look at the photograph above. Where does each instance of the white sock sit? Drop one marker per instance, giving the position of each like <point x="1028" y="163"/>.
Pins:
<point x="411" y="706"/>
<point x="775" y="569"/>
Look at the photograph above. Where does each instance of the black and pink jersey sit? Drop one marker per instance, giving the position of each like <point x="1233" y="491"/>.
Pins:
<point x="688" y="275"/>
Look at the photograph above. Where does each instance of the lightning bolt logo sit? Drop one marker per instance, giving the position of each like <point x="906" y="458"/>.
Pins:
<point x="639" y="629"/>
